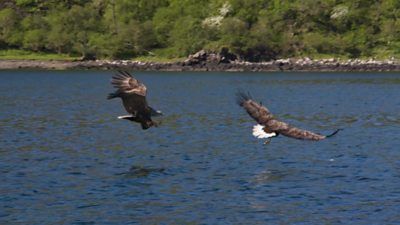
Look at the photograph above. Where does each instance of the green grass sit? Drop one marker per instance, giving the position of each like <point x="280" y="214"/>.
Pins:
<point x="158" y="59"/>
<point x="377" y="55"/>
<point x="162" y="55"/>
<point x="15" y="54"/>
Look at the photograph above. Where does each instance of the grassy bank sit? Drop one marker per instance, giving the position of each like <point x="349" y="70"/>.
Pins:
<point x="158" y="59"/>
<point x="14" y="54"/>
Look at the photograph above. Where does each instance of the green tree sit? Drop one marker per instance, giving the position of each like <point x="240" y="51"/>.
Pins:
<point x="35" y="28"/>
<point x="247" y="11"/>
<point x="8" y="25"/>
<point x="82" y="22"/>
<point x="169" y="21"/>
<point x="254" y="30"/>
<point x="186" y="36"/>
<point x="59" y="39"/>
<point x="234" y="35"/>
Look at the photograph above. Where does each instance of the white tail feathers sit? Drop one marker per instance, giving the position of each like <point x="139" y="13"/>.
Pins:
<point x="258" y="132"/>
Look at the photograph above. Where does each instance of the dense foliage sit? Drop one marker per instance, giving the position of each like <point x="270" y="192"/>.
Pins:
<point x="253" y="29"/>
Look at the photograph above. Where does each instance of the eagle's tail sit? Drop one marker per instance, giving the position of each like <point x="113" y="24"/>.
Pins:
<point x="335" y="132"/>
<point x="154" y="112"/>
<point x="242" y="97"/>
<point x="259" y="132"/>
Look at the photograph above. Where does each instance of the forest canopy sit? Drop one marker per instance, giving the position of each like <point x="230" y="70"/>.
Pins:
<point x="254" y="30"/>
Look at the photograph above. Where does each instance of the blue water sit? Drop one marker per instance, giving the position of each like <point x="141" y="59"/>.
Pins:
<point x="66" y="159"/>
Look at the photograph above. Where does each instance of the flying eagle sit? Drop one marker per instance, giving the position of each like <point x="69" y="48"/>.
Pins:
<point x="133" y="95"/>
<point x="268" y="126"/>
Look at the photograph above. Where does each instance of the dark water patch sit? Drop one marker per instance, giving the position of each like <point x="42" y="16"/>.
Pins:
<point x="84" y="223"/>
<point x="86" y="206"/>
<point x="140" y="171"/>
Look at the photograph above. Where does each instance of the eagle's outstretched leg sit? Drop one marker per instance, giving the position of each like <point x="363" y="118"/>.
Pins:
<point x="259" y="131"/>
<point x="267" y="141"/>
<point x="134" y="113"/>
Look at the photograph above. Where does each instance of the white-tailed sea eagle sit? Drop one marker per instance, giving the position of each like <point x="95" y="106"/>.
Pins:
<point x="268" y="126"/>
<point x="133" y="95"/>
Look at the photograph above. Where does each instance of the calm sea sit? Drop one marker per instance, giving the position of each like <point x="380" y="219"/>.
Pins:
<point x="65" y="158"/>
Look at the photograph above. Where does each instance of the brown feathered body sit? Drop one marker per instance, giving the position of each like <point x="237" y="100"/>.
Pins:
<point x="133" y="95"/>
<point x="271" y="125"/>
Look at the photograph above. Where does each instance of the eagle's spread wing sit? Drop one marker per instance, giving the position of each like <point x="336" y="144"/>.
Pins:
<point x="296" y="132"/>
<point x="126" y="84"/>
<point x="271" y="125"/>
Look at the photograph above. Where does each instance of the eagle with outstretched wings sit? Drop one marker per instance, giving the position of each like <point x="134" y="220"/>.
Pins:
<point x="268" y="126"/>
<point x="133" y="95"/>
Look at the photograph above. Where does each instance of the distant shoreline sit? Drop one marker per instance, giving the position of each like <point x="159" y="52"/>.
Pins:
<point x="323" y="65"/>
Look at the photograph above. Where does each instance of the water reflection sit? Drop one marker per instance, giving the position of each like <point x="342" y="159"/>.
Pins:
<point x="140" y="171"/>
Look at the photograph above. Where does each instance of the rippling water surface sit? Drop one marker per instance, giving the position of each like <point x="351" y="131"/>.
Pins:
<point x="66" y="159"/>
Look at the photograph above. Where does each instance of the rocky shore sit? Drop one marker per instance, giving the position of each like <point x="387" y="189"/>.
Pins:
<point x="213" y="63"/>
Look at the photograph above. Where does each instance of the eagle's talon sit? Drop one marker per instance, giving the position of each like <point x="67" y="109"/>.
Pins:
<point x="267" y="141"/>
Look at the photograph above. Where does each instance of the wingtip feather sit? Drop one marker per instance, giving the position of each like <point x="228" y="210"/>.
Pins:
<point x="124" y="73"/>
<point x="120" y="76"/>
<point x="242" y="96"/>
<point x="111" y="95"/>
<point x="335" y="132"/>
